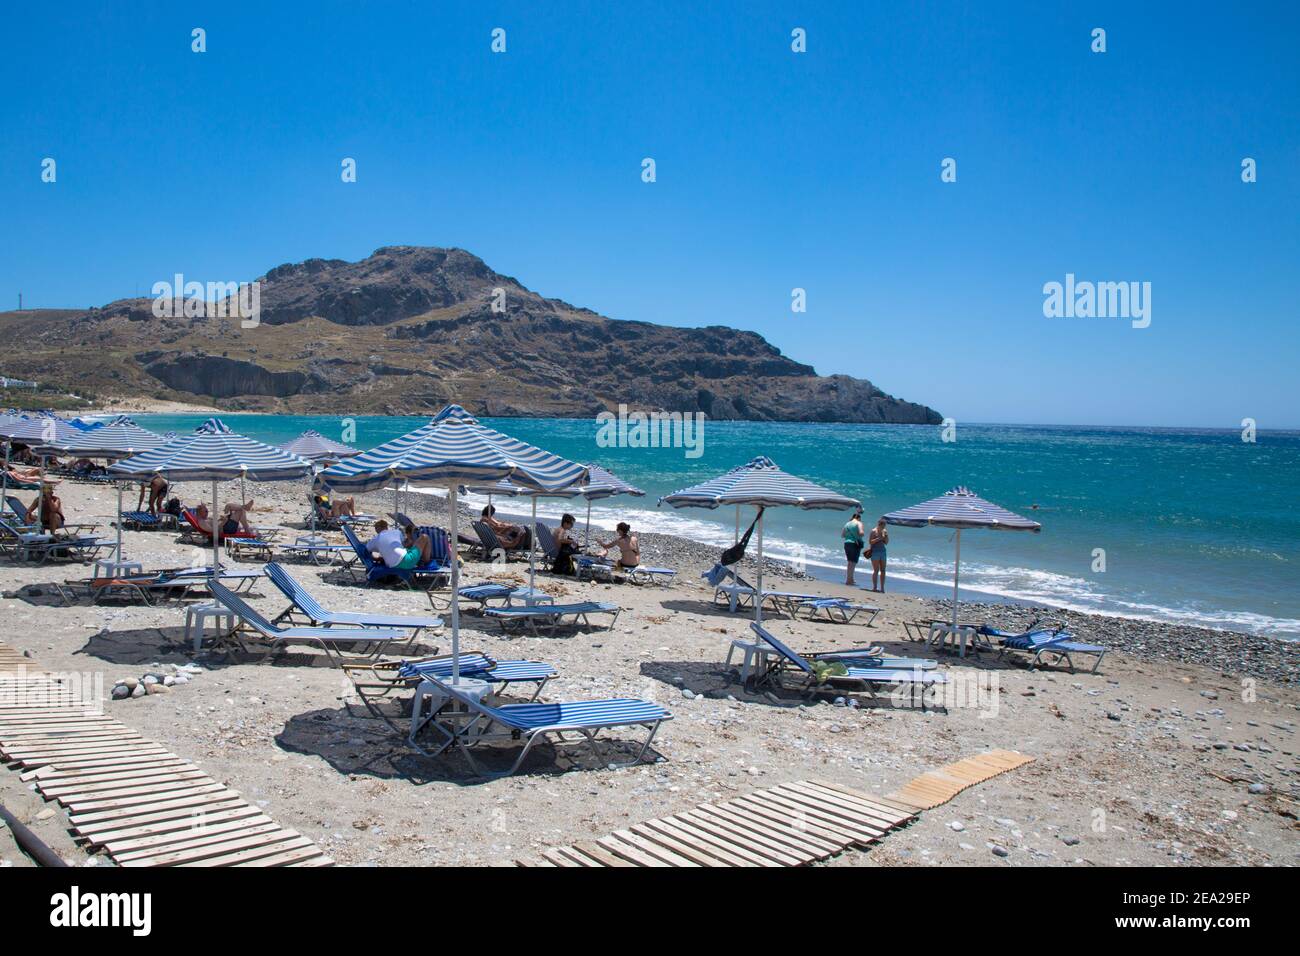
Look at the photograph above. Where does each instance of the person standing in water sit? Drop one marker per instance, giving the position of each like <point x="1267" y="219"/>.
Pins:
<point x="852" y="534"/>
<point x="876" y="542"/>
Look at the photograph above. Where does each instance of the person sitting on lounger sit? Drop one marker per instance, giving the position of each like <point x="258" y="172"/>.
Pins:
<point x="629" y="550"/>
<point x="239" y="514"/>
<point x="327" y="509"/>
<point x="391" y="546"/>
<point x="510" y="535"/>
<point x="568" y="546"/>
<point x="49" y="508"/>
<point x="156" y="488"/>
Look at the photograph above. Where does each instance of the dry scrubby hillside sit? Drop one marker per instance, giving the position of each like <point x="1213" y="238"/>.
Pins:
<point x="409" y="328"/>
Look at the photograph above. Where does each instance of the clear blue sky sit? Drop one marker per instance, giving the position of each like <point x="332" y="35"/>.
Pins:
<point x="775" y="170"/>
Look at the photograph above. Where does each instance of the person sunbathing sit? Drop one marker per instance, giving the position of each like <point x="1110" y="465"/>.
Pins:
<point x="510" y="535"/>
<point x="234" y="519"/>
<point x="629" y="549"/>
<point x="238" y="514"/>
<point x="326" y="509"/>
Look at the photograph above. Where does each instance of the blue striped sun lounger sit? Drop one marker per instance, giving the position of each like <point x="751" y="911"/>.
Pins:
<point x="1058" y="643"/>
<point x="838" y="610"/>
<point x="328" y="639"/>
<point x="869" y="678"/>
<point x="566" y="724"/>
<point x="643" y="574"/>
<point x="553" y="616"/>
<point x="44" y="547"/>
<point x="140" y="521"/>
<point x="305" y="607"/>
<point x="317" y="550"/>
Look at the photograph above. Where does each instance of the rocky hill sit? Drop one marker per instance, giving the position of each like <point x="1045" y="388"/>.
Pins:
<point x="409" y="329"/>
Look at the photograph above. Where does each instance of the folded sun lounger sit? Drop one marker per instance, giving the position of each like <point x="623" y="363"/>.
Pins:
<point x="1058" y="643"/>
<point x="553" y="616"/>
<point x="534" y="722"/>
<point x="788" y="669"/>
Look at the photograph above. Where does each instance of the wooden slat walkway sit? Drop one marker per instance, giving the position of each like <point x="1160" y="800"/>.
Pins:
<point x="126" y="794"/>
<point x="792" y="824"/>
<point x="937" y="787"/>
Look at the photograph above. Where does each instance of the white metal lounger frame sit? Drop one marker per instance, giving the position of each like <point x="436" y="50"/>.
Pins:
<point x="543" y="612"/>
<point x="466" y="737"/>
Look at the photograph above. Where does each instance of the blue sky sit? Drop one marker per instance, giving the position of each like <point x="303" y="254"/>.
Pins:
<point x="775" y="171"/>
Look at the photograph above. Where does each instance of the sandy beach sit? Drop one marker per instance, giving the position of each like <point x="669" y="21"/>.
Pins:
<point x="1181" y="750"/>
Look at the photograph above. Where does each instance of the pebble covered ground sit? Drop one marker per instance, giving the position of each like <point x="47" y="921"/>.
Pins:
<point x="1181" y="750"/>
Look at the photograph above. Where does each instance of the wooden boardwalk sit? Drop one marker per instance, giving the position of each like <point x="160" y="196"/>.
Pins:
<point x="124" y="793"/>
<point x="792" y="824"/>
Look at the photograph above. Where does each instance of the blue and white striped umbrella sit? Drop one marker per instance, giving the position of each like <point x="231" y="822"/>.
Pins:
<point x="960" y="508"/>
<point x="314" y="446"/>
<point x="118" y="439"/>
<point x="38" y="430"/>
<point x="762" y="484"/>
<point x="213" y="456"/>
<point x="453" y="449"/>
<point x="210" y="456"/>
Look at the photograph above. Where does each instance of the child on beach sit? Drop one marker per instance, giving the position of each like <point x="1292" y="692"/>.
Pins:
<point x="568" y="545"/>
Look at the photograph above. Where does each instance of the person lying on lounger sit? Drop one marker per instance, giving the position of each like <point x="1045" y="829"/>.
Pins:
<point x="510" y="535"/>
<point x="234" y="519"/>
<point x="629" y="549"/>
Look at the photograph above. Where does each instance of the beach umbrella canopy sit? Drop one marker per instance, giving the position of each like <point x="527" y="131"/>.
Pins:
<point x="213" y="456"/>
<point x="960" y="509"/>
<point x="214" y="426"/>
<point x="119" y="438"/>
<point x="762" y="484"/>
<point x="314" y="446"/>
<point x="38" y="430"/>
<point x="453" y="449"/>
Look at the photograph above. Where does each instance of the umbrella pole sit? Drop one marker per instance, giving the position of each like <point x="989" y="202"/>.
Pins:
<point x="4" y="478"/>
<point x="586" y="538"/>
<point x="455" y="589"/>
<point x="119" y="522"/>
<point x="40" y="499"/>
<point x="758" y="597"/>
<point x="532" y="549"/>
<point x="216" y="531"/>
<point x="736" y="539"/>
<point x="956" y="576"/>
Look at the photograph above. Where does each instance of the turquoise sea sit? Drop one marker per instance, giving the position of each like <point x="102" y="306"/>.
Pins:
<point x="1197" y="526"/>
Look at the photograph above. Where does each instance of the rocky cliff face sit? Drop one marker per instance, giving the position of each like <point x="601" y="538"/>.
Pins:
<point x="410" y="328"/>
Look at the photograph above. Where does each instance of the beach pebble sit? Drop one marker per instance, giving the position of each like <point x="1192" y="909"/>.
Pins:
<point x="121" y="691"/>
<point x="1258" y="788"/>
<point x="686" y="692"/>
<point x="999" y="851"/>
<point x="157" y="688"/>
<point x="1070" y="840"/>
<point x="957" y="825"/>
<point x="139" y="691"/>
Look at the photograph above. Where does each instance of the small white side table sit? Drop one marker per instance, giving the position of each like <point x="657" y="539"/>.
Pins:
<point x="446" y="709"/>
<point x="754" y="653"/>
<point x="531" y="598"/>
<point x="962" y="635"/>
<point x="196" y="618"/>
<point x="113" y="568"/>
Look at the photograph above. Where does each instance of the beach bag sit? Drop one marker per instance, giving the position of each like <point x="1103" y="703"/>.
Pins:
<point x="737" y="550"/>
